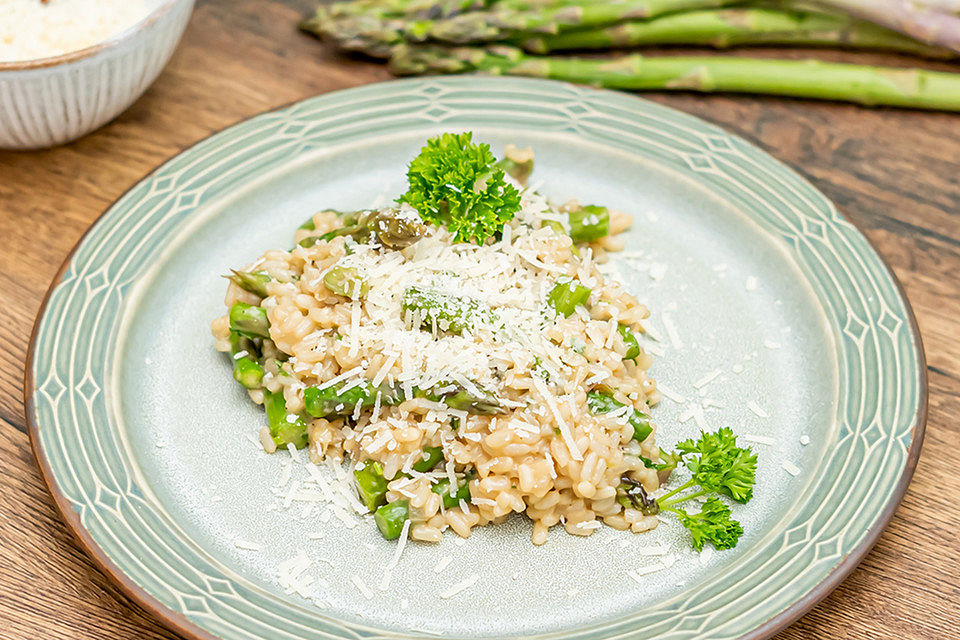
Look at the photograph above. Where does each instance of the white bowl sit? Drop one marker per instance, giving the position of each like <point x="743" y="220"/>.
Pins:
<point x="50" y="101"/>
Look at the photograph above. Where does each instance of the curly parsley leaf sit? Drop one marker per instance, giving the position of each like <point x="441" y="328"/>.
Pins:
<point x="719" y="468"/>
<point x="455" y="183"/>
<point x="713" y="524"/>
<point x="719" y="465"/>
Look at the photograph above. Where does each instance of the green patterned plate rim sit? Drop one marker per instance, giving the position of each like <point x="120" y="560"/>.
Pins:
<point x="881" y="377"/>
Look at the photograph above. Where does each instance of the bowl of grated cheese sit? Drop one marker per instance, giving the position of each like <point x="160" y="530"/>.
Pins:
<point x="68" y="67"/>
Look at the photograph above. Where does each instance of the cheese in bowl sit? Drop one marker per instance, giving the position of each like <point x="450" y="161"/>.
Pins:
<point x="462" y="351"/>
<point x="31" y="29"/>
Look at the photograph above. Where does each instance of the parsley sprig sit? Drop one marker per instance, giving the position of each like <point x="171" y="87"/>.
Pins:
<point x="456" y="183"/>
<point x="719" y="468"/>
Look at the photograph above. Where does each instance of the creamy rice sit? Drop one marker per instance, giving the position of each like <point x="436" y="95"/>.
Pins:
<point x="544" y="454"/>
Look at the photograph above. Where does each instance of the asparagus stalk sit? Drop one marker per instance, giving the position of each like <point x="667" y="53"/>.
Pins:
<point x="915" y="88"/>
<point x="517" y="163"/>
<point x="397" y="8"/>
<point x="447" y="312"/>
<point x="629" y="341"/>
<point x="390" y="518"/>
<point x="391" y="227"/>
<point x="285" y="428"/>
<point x="347" y="282"/>
<point x="246" y="368"/>
<point x="429" y="458"/>
<point x="329" y="401"/>
<point x="451" y="495"/>
<point x="375" y="32"/>
<point x="371" y="485"/>
<point x="588" y="223"/>
<point x="255" y="283"/>
<point x="249" y="320"/>
<point x="565" y="297"/>
<point x="739" y="26"/>
<point x="501" y="23"/>
<point x="924" y="23"/>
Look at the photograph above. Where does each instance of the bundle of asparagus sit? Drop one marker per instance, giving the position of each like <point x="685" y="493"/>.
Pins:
<point x="518" y="37"/>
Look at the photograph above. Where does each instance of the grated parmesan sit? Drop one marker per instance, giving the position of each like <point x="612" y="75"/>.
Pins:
<point x="672" y="331"/>
<point x="247" y="546"/>
<point x="461" y="586"/>
<point x="707" y="379"/>
<point x="443" y="564"/>
<point x="670" y="393"/>
<point x="790" y="468"/>
<point x="755" y="408"/>
<point x="361" y="586"/>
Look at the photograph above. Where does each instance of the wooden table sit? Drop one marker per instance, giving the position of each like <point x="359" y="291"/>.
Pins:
<point x="895" y="174"/>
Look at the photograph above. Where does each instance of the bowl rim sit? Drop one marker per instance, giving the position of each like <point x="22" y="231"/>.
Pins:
<point x="86" y="52"/>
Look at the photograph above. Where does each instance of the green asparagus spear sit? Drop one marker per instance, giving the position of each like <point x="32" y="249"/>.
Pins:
<point x="565" y="297"/>
<point x="249" y="320"/>
<point x="632" y="495"/>
<point x="391" y="227"/>
<point x="915" y="88"/>
<point x="374" y="27"/>
<point x="600" y="402"/>
<point x="371" y="485"/>
<point x="507" y="22"/>
<point x="589" y="223"/>
<point x="329" y="401"/>
<point x="517" y="163"/>
<point x="255" y="283"/>
<point x="246" y="369"/>
<point x="284" y="427"/>
<point x="309" y="225"/>
<point x="737" y="26"/>
<point x="630" y="340"/>
<point x="390" y="518"/>
<point x="431" y="458"/>
<point x="463" y="400"/>
<point x="451" y="497"/>
<point x="347" y="282"/>
<point x="248" y="372"/>
<point x="449" y="313"/>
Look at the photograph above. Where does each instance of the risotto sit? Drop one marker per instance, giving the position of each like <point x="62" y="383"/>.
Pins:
<point x="462" y="381"/>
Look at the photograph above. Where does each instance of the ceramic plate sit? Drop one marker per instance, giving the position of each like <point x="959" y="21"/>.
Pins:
<point x="752" y="276"/>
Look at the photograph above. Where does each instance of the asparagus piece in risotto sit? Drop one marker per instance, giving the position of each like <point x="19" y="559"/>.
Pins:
<point x="589" y="223"/>
<point x="371" y="485"/>
<point x="467" y="354"/>
<point x="430" y="458"/>
<point x="394" y="228"/>
<point x="391" y="517"/>
<point x="285" y="428"/>
<point x="517" y="163"/>
<point x="347" y="282"/>
<point x="630" y="342"/>
<point x="329" y="401"/>
<point x="255" y="283"/>
<point x="601" y="402"/>
<point x="249" y="320"/>
<point x="566" y="296"/>
<point x="246" y="369"/>
<point x="443" y="311"/>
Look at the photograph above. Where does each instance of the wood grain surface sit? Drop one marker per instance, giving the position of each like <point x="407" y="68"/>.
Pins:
<point x="895" y="174"/>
